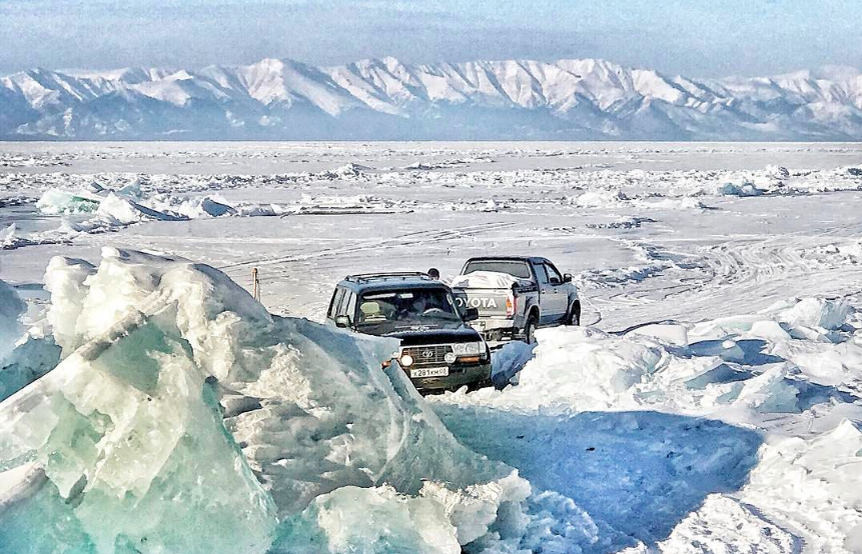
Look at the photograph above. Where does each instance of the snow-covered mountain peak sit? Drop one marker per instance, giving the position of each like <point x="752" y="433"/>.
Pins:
<point x="385" y="98"/>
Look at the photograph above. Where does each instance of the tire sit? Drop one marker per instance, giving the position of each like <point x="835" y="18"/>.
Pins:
<point x="530" y="330"/>
<point x="574" y="317"/>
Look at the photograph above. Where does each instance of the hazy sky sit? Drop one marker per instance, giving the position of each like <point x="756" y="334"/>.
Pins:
<point x="699" y="39"/>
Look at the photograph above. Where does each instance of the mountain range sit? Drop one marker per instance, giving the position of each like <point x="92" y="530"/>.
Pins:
<point x="386" y="99"/>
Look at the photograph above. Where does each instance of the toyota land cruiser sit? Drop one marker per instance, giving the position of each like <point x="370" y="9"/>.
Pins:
<point x="438" y="351"/>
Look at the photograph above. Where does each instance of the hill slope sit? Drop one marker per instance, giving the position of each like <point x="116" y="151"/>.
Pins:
<point x="388" y="99"/>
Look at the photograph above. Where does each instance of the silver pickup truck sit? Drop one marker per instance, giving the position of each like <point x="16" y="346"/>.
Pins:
<point x="534" y="295"/>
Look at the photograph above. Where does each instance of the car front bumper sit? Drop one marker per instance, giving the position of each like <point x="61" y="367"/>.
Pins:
<point x="459" y="376"/>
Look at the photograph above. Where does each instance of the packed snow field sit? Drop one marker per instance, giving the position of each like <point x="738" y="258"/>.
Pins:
<point x="709" y="403"/>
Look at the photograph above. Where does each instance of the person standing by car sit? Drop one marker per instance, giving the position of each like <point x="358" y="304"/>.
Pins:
<point x="434" y="273"/>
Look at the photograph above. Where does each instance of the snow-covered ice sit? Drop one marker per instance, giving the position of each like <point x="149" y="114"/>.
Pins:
<point x="710" y="402"/>
<point x="180" y="405"/>
<point x="767" y="458"/>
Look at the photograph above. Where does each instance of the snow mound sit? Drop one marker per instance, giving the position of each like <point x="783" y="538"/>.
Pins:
<point x="507" y="361"/>
<point x="58" y="201"/>
<point x="673" y="334"/>
<point x="777" y="172"/>
<point x="684" y="203"/>
<point x="819" y="480"/>
<point x="601" y="199"/>
<point x="736" y="368"/>
<point x="127" y="205"/>
<point x="387" y="521"/>
<point x="730" y="526"/>
<point x="485" y="280"/>
<point x="816" y="313"/>
<point x="125" y="212"/>
<point x="8" y="236"/>
<point x="812" y="318"/>
<point x="738" y="189"/>
<point x="577" y="368"/>
<point x="181" y="405"/>
<point x="766" y="457"/>
<point x="192" y="208"/>
<point x="345" y="171"/>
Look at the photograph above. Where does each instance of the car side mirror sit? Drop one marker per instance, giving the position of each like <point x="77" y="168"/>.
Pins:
<point x="567" y="277"/>
<point x="342" y="321"/>
<point x="470" y="314"/>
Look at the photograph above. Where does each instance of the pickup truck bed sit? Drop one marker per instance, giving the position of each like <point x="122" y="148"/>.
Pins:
<point x="512" y="307"/>
<point x="499" y="317"/>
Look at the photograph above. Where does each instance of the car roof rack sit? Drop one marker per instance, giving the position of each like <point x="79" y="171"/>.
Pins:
<point x="403" y="275"/>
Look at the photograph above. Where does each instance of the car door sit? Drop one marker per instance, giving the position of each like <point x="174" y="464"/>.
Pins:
<point x="547" y="298"/>
<point x="558" y="295"/>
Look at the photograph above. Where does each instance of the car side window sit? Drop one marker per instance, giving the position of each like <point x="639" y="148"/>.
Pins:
<point x="553" y="275"/>
<point x="541" y="275"/>
<point x="336" y="301"/>
<point x="348" y="305"/>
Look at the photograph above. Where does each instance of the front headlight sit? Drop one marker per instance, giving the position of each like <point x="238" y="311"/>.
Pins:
<point x="406" y="360"/>
<point x="467" y="348"/>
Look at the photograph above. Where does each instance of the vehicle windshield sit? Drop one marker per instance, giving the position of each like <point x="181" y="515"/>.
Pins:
<point x="405" y="308"/>
<point x="515" y="268"/>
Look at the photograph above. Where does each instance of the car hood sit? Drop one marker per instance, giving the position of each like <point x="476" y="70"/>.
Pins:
<point x="430" y="335"/>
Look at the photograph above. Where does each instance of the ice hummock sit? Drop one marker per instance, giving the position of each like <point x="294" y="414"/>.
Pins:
<point x="11" y="308"/>
<point x="59" y="201"/>
<point x="769" y="444"/>
<point x="184" y="417"/>
<point x="24" y="356"/>
<point x="778" y="361"/>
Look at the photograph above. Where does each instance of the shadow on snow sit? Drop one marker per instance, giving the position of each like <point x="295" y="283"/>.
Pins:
<point x="638" y="473"/>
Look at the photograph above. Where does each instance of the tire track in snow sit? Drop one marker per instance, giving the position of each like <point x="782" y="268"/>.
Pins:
<point x="320" y="266"/>
<point x="714" y="280"/>
<point x="757" y="272"/>
<point x="408" y="239"/>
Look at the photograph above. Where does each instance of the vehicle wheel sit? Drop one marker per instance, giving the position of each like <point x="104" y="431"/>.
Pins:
<point x="574" y="317"/>
<point x="530" y="330"/>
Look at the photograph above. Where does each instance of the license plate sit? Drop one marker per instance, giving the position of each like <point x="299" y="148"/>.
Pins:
<point x="429" y="372"/>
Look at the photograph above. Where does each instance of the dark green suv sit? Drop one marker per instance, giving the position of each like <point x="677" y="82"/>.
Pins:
<point x="439" y="351"/>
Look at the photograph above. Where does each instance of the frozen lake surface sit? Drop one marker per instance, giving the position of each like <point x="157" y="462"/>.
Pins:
<point x="690" y="236"/>
<point x="653" y="231"/>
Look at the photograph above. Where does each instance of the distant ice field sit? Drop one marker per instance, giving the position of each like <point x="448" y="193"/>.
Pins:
<point x="652" y="231"/>
<point x="278" y="157"/>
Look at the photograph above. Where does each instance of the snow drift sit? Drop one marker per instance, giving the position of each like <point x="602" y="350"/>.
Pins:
<point x="590" y="399"/>
<point x="184" y="417"/>
<point x="721" y="367"/>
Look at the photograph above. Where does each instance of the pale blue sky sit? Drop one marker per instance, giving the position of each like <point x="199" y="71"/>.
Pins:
<point x="700" y="39"/>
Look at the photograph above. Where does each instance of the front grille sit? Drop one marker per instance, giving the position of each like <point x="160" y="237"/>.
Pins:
<point x="425" y="356"/>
